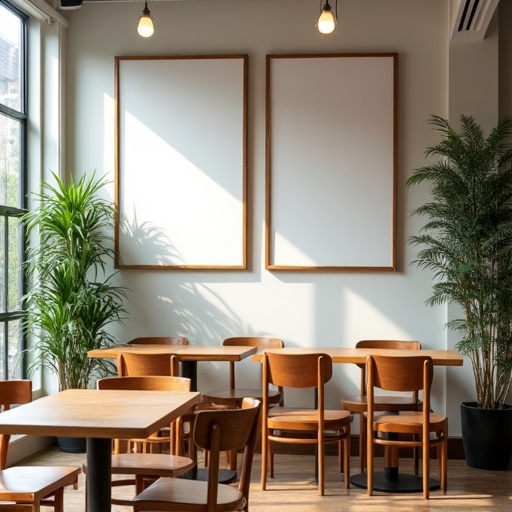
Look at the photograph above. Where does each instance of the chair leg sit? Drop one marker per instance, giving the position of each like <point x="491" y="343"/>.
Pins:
<point x="369" y="465"/>
<point x="321" y="465"/>
<point x="442" y="455"/>
<point x="416" y="455"/>
<point x="362" y="442"/>
<point x="271" y="458"/>
<point x="264" y="461"/>
<point x="426" y="468"/>
<point x="58" y="503"/>
<point x="346" y="458"/>
<point x="232" y="457"/>
<point x="142" y="482"/>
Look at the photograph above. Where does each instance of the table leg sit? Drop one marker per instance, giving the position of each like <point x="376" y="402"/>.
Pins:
<point x="99" y="474"/>
<point x="390" y="479"/>
<point x="402" y="482"/>
<point x="189" y="370"/>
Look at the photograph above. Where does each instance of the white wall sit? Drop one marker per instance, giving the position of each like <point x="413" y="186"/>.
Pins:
<point x="303" y="308"/>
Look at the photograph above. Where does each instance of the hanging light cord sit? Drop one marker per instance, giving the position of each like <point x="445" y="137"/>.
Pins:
<point x="334" y="3"/>
<point x="145" y="11"/>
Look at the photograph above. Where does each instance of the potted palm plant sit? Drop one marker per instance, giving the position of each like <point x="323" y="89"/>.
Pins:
<point x="71" y="301"/>
<point x="467" y="244"/>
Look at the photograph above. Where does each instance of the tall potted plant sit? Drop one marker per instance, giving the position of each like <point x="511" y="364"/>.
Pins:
<point x="70" y="300"/>
<point x="467" y="243"/>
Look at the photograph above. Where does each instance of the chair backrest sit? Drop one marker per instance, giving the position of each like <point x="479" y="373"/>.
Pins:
<point x="297" y="371"/>
<point x="140" y="364"/>
<point x="260" y="343"/>
<point x="145" y="383"/>
<point x="225" y="430"/>
<point x="159" y="340"/>
<point x="12" y="392"/>
<point x="387" y="344"/>
<point x="400" y="373"/>
<point x="254" y="341"/>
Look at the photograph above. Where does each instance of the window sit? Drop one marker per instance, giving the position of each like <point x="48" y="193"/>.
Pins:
<point x="13" y="121"/>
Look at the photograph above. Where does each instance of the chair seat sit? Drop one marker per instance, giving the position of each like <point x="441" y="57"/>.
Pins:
<point x="185" y="494"/>
<point x="214" y="431"/>
<point x="382" y="403"/>
<point x="234" y="397"/>
<point x="27" y="483"/>
<point x="409" y="423"/>
<point x="287" y="418"/>
<point x="161" y="464"/>
<point x="145" y="468"/>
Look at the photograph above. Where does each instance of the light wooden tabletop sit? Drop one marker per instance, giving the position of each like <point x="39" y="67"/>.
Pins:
<point x="183" y="352"/>
<point x="358" y="355"/>
<point x="98" y="413"/>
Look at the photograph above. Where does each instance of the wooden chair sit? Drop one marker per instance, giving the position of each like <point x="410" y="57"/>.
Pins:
<point x="135" y="364"/>
<point x="145" y="468"/>
<point x="29" y="486"/>
<point x="302" y="425"/>
<point x="160" y="340"/>
<point x="215" y="431"/>
<point x="139" y="364"/>
<point x="261" y="344"/>
<point x="406" y="429"/>
<point x="233" y="396"/>
<point x="358" y="404"/>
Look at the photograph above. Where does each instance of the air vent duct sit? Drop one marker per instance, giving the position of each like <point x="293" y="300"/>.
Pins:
<point x="472" y="19"/>
<point x="66" y="5"/>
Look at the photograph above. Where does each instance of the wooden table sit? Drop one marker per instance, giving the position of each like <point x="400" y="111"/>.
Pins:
<point x="389" y="479"/>
<point x="358" y="355"/>
<point x="100" y="416"/>
<point x="189" y="355"/>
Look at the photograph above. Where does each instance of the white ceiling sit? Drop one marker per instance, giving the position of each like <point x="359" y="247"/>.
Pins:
<point x="470" y="18"/>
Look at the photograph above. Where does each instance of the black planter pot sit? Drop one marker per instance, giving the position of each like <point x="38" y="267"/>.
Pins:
<point x="486" y="436"/>
<point x="72" y="444"/>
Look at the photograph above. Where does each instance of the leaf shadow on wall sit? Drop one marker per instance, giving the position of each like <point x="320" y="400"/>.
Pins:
<point x="174" y="301"/>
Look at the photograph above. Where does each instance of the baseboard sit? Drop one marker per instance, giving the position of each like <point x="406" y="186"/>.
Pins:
<point x="22" y="447"/>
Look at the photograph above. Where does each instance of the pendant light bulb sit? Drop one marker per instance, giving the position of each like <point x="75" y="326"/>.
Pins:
<point x="146" y="27"/>
<point x="326" y="23"/>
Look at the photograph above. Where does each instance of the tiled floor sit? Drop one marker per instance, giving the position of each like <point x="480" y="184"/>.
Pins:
<point x="294" y="489"/>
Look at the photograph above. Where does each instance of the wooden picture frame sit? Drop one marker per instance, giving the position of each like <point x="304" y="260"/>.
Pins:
<point x="331" y="162"/>
<point x="181" y="162"/>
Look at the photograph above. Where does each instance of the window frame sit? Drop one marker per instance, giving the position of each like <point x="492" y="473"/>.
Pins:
<point x="9" y="212"/>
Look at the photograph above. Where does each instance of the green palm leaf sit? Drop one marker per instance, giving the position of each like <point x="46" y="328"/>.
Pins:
<point x="71" y="303"/>
<point x="467" y="244"/>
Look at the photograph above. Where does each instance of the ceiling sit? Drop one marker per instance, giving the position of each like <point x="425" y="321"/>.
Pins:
<point x="470" y="18"/>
